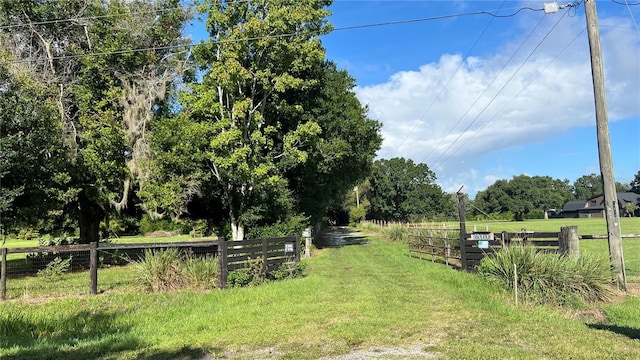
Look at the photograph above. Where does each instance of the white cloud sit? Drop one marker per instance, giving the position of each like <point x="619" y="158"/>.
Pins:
<point x="442" y="126"/>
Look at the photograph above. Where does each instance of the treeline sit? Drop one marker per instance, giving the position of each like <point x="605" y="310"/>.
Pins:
<point x="111" y="121"/>
<point x="399" y="190"/>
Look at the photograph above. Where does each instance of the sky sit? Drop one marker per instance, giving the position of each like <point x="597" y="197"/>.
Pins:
<point x="480" y="98"/>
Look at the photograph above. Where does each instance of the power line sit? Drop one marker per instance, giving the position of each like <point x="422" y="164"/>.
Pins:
<point x="415" y="123"/>
<point x="632" y="17"/>
<point x="276" y="36"/>
<point x="533" y="79"/>
<point x="503" y="87"/>
<point x="625" y="3"/>
<point x="485" y="90"/>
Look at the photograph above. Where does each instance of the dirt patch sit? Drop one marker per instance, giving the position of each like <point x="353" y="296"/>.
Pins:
<point x="633" y="288"/>
<point x="159" y="234"/>
<point x="409" y="352"/>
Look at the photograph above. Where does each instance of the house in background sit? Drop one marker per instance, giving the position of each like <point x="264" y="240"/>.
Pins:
<point x="594" y="207"/>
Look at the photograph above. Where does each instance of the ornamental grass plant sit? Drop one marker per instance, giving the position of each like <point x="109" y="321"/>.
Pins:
<point x="549" y="278"/>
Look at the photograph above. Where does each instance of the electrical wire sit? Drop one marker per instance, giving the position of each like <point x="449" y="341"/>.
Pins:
<point x="415" y="123"/>
<point x="533" y="79"/>
<point x="501" y="89"/>
<point x="632" y="17"/>
<point x="504" y="66"/>
<point x="276" y="36"/>
<point x="626" y="3"/>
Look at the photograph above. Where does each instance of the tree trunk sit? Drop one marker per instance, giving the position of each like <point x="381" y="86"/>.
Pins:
<point x="237" y="231"/>
<point x="89" y="216"/>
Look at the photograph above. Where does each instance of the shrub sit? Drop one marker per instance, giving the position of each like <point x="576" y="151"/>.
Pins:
<point x="56" y="267"/>
<point x="548" y="278"/>
<point x="396" y="232"/>
<point x="201" y="273"/>
<point x="288" y="270"/>
<point x="356" y="215"/>
<point x="147" y="225"/>
<point x="293" y="225"/>
<point x="251" y="274"/>
<point x="159" y="270"/>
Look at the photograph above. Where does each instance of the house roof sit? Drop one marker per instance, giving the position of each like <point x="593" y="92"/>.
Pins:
<point x="625" y="197"/>
<point x="573" y="205"/>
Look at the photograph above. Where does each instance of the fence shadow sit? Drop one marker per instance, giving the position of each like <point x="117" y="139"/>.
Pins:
<point x="631" y="333"/>
<point x="86" y="335"/>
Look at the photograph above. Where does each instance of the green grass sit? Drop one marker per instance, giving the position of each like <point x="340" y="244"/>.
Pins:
<point x="355" y="297"/>
<point x="585" y="226"/>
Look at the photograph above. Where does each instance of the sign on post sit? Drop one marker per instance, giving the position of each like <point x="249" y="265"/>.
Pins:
<point x="482" y="238"/>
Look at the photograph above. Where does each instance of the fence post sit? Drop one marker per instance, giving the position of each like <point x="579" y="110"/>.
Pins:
<point x="3" y="273"/>
<point x="568" y="241"/>
<point x="297" y="247"/>
<point x="223" y="272"/>
<point x="264" y="256"/>
<point x="447" y="252"/>
<point x="93" y="267"/>
<point x="463" y="231"/>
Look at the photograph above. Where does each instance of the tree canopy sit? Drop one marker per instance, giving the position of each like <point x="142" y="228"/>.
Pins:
<point x="524" y="194"/>
<point x="401" y="190"/>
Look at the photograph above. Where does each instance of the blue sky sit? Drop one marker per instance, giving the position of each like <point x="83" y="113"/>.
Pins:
<point x="430" y="84"/>
<point x="479" y="98"/>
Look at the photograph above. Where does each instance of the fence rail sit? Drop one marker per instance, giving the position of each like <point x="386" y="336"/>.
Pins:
<point x="231" y="256"/>
<point x="444" y="245"/>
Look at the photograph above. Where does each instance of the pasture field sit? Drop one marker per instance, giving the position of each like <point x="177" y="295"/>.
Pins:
<point x="591" y="226"/>
<point x="363" y="301"/>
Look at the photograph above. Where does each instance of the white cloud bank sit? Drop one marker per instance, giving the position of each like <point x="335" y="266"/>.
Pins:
<point x="440" y="125"/>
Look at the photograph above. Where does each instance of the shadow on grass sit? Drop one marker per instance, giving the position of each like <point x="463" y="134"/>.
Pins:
<point x="186" y="353"/>
<point x="338" y="237"/>
<point x="85" y="335"/>
<point x="631" y="333"/>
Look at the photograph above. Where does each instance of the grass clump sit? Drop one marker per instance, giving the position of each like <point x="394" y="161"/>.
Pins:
<point x="396" y="233"/>
<point x="548" y="278"/>
<point x="167" y="270"/>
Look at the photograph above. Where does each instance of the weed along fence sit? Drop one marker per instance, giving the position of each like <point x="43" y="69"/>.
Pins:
<point x="64" y="268"/>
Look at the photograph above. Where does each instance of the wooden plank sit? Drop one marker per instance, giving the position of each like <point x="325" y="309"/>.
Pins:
<point x="538" y="243"/>
<point x="61" y="248"/>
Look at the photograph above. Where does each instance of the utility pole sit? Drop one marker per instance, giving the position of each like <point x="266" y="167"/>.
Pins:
<point x="604" y="148"/>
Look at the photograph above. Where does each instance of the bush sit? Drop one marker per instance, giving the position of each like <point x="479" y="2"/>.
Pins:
<point x="293" y="225"/>
<point x="56" y="267"/>
<point x="396" y="232"/>
<point x="356" y="215"/>
<point x="251" y="274"/>
<point x="548" y="278"/>
<point x="201" y="273"/>
<point x="164" y="270"/>
<point x="147" y="225"/>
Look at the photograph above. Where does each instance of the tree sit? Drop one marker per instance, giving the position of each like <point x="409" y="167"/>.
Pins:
<point x="245" y="69"/>
<point x="105" y="102"/>
<point x="342" y="156"/>
<point x="32" y="174"/>
<point x="629" y="209"/>
<point x="523" y="194"/>
<point x="402" y="190"/>
<point x="588" y="186"/>
<point x="635" y="184"/>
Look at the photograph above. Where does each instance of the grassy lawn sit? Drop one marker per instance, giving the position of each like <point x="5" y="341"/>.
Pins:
<point x="368" y="297"/>
<point x="585" y="226"/>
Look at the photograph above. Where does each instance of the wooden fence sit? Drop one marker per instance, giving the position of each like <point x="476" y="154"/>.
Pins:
<point x="231" y="256"/>
<point x="444" y="244"/>
<point x="437" y="244"/>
